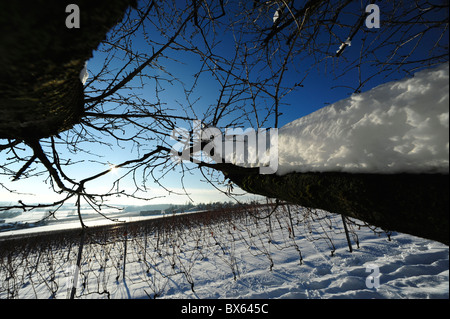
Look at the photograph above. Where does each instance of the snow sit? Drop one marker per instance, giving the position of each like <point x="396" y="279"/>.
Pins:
<point x="243" y="258"/>
<point x="84" y="74"/>
<point x="400" y="126"/>
<point x="67" y="220"/>
<point x="397" y="127"/>
<point x="276" y="15"/>
<point x="347" y="42"/>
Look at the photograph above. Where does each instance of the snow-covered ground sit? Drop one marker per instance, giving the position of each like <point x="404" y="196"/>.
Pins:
<point x="39" y="221"/>
<point x="305" y="256"/>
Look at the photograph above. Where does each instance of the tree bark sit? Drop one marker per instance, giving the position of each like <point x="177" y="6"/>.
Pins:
<point x="416" y="204"/>
<point x="40" y="61"/>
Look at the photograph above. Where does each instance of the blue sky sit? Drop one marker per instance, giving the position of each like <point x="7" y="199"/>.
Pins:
<point x="316" y="93"/>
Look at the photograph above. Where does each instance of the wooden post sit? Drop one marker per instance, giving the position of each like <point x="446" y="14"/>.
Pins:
<point x="125" y="234"/>
<point x="290" y="220"/>
<point x="346" y="233"/>
<point x="77" y="269"/>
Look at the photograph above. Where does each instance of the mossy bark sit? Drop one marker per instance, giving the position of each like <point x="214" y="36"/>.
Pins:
<point x="416" y="204"/>
<point x="41" y="59"/>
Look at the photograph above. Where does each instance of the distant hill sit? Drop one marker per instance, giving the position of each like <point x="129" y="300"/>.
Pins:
<point x="138" y="208"/>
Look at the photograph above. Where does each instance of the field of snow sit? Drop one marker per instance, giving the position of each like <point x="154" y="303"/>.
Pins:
<point x="296" y="253"/>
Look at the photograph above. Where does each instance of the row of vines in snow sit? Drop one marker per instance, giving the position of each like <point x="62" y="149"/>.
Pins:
<point x="155" y="254"/>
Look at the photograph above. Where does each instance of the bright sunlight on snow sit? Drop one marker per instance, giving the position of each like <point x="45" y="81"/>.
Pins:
<point x="84" y="75"/>
<point x="297" y="253"/>
<point x="400" y="126"/>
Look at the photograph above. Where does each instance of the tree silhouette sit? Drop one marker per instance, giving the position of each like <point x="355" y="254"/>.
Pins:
<point x="49" y="121"/>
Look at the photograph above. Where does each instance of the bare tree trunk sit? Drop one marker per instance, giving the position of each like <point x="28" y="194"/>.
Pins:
<point x="40" y="61"/>
<point x="416" y="204"/>
<point x="347" y="235"/>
